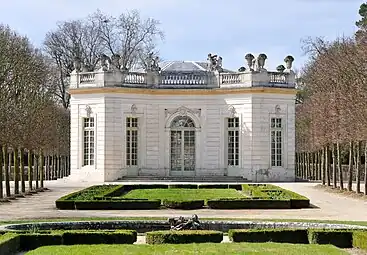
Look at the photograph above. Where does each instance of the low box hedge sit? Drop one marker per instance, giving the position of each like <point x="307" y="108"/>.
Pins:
<point x="99" y="237"/>
<point x="33" y="241"/>
<point x="248" y="203"/>
<point x="182" y="186"/>
<point x="213" y="186"/>
<point x="338" y="238"/>
<point x="117" y="204"/>
<point x="360" y="240"/>
<point x="9" y="244"/>
<point x="184" y="236"/>
<point x="269" y="235"/>
<point x="127" y="188"/>
<point x="185" y="205"/>
<point x="113" y="192"/>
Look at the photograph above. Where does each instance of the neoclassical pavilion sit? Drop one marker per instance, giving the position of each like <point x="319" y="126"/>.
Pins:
<point x="183" y="118"/>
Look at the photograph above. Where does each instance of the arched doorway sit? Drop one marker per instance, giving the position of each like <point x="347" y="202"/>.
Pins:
<point x="182" y="146"/>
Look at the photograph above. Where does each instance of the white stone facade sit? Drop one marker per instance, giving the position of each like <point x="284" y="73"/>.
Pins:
<point x="201" y="149"/>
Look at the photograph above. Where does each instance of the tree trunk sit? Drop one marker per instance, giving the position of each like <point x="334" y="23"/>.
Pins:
<point x="334" y="166"/>
<point x="54" y="170"/>
<point x="30" y="170"/>
<point x="320" y="164"/>
<point x="16" y="170"/>
<point x="365" y="168"/>
<point x="350" y="167"/>
<point x="358" y="167"/>
<point x="6" y="170"/>
<point x="22" y="175"/>
<point x="340" y="171"/>
<point x="296" y="166"/>
<point x="47" y="167"/>
<point x="36" y="170"/>
<point x="58" y="167"/>
<point x="323" y="171"/>
<point x="41" y="169"/>
<point x="1" y="176"/>
<point x="327" y="164"/>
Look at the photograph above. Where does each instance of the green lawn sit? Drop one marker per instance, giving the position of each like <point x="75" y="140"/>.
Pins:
<point x="188" y="249"/>
<point x="183" y="194"/>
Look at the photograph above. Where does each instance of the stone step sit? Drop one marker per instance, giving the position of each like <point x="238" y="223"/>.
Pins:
<point x="220" y="179"/>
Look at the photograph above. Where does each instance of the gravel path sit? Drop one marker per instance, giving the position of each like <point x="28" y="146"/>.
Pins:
<point x="327" y="206"/>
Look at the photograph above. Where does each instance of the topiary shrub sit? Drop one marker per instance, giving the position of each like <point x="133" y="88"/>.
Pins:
<point x="99" y="237"/>
<point x="338" y="238"/>
<point x="184" y="236"/>
<point x="269" y="235"/>
<point x="33" y="241"/>
<point x="185" y="205"/>
<point x="360" y="239"/>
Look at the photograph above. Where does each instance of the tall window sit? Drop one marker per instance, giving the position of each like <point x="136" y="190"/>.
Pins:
<point x="276" y="142"/>
<point x="233" y="131"/>
<point x="131" y="141"/>
<point x="88" y="140"/>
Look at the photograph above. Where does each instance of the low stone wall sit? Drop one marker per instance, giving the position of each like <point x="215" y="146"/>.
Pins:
<point x="145" y="226"/>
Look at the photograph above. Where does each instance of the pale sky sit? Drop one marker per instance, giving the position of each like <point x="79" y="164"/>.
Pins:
<point x="193" y="28"/>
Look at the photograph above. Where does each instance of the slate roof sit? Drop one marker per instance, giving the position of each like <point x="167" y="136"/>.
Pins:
<point x="184" y="66"/>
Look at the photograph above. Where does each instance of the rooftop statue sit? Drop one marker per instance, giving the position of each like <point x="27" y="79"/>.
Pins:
<point x="214" y="63"/>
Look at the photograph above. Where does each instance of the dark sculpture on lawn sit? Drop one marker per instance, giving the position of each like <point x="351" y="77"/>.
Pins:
<point x="182" y="223"/>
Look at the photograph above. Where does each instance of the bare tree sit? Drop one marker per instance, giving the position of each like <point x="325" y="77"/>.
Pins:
<point x="128" y="36"/>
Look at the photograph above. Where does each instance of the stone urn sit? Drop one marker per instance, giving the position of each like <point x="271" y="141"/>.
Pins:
<point x="280" y="68"/>
<point x="288" y="62"/>
<point x="261" y="60"/>
<point x="249" y="58"/>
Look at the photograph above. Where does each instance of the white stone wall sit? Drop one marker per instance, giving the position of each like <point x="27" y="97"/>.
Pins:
<point x="209" y="113"/>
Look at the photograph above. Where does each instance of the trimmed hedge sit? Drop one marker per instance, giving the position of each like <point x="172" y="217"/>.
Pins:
<point x="184" y="236"/>
<point x="269" y="235"/>
<point x="213" y="186"/>
<point x="185" y="205"/>
<point x="33" y="241"/>
<point x="248" y="203"/>
<point x="117" y="204"/>
<point x="360" y="240"/>
<point x="182" y="186"/>
<point x="144" y="186"/>
<point x="99" y="237"/>
<point x="9" y="244"/>
<point x="338" y="238"/>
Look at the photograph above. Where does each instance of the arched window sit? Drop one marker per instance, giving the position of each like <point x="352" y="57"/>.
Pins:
<point x="182" y="122"/>
<point x="182" y="145"/>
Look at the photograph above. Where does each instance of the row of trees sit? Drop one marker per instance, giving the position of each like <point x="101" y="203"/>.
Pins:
<point x="331" y="119"/>
<point x="34" y="99"/>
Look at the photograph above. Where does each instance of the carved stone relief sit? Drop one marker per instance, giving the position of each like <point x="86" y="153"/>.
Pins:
<point x="182" y="111"/>
<point x="232" y="111"/>
<point x="277" y="109"/>
<point x="134" y="109"/>
<point x="88" y="110"/>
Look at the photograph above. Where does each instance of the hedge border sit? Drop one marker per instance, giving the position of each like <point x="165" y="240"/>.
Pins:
<point x="184" y="236"/>
<point x="269" y="235"/>
<point x="184" y="205"/>
<point x="259" y="199"/>
<point x="248" y="204"/>
<point x="339" y="238"/>
<point x="118" y="204"/>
